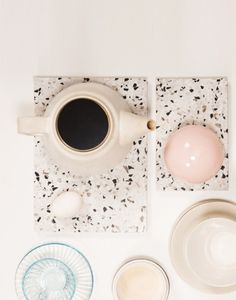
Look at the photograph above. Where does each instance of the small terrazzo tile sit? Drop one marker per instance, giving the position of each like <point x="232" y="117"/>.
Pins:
<point x="184" y="101"/>
<point x="114" y="201"/>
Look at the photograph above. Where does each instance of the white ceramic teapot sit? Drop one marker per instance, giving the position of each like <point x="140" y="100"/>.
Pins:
<point x="87" y="128"/>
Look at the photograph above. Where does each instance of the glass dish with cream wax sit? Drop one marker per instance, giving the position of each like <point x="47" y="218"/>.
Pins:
<point x="141" y="279"/>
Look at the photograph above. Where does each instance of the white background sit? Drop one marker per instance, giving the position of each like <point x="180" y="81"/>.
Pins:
<point x="104" y="37"/>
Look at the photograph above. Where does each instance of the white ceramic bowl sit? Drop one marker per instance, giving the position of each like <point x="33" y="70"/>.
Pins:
<point x="203" y="246"/>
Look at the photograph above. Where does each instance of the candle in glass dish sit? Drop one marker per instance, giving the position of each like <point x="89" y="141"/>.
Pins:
<point x="140" y="279"/>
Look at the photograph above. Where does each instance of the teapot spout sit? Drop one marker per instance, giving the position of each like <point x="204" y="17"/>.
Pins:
<point x="134" y="126"/>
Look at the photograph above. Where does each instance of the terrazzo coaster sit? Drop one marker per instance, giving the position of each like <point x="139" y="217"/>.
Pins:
<point x="183" y="101"/>
<point x="114" y="201"/>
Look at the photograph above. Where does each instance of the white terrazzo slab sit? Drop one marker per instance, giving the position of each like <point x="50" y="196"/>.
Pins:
<point x="114" y="201"/>
<point x="182" y="101"/>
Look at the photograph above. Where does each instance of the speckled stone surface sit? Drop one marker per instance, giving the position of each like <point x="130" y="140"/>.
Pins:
<point x="114" y="201"/>
<point x="182" y="101"/>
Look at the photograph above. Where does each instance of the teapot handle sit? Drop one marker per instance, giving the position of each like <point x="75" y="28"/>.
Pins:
<point x="32" y="125"/>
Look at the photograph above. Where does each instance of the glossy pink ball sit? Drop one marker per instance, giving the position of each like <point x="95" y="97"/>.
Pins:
<point x="194" y="154"/>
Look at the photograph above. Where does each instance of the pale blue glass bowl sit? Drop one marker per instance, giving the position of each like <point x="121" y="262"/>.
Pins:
<point x="54" y="271"/>
<point x="48" y="278"/>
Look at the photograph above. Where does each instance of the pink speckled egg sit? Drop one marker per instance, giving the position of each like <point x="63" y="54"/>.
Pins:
<point x="194" y="154"/>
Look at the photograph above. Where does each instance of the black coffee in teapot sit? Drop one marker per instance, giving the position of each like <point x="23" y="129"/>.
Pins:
<point x="82" y="124"/>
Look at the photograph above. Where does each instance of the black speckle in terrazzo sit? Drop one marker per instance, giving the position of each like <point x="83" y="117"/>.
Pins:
<point x="38" y="91"/>
<point x="37" y="176"/>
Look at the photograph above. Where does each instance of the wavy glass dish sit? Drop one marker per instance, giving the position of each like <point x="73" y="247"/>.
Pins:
<point x="54" y="271"/>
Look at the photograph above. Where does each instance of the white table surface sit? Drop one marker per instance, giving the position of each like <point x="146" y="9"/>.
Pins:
<point x="104" y="37"/>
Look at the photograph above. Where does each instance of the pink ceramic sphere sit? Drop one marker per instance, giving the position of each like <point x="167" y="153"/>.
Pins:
<point x="194" y="154"/>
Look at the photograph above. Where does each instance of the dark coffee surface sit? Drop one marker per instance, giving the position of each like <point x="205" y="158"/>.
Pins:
<point x="82" y="124"/>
